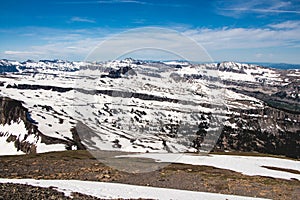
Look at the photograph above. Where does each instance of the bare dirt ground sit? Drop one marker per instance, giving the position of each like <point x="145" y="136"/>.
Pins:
<point x="82" y="166"/>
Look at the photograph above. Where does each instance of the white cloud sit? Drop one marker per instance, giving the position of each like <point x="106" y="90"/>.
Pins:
<point x="71" y="50"/>
<point x="106" y="2"/>
<point x="226" y="43"/>
<point x="146" y="41"/>
<point x="82" y="19"/>
<point x="243" y="38"/>
<point x="286" y="25"/>
<point x="262" y="7"/>
<point x="148" y="3"/>
<point x="263" y="10"/>
<point x="26" y="53"/>
<point x="259" y="55"/>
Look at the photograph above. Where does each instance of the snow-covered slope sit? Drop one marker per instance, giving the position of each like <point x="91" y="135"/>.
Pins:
<point x="140" y="106"/>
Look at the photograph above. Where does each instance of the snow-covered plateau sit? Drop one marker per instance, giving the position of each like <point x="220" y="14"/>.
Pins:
<point x="138" y="106"/>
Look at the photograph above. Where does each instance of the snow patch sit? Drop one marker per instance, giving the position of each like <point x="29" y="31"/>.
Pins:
<point x="117" y="190"/>
<point x="247" y="165"/>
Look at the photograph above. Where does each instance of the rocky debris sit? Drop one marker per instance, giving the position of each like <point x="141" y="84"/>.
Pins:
<point x="24" y="192"/>
<point x="80" y="165"/>
<point x="20" y="191"/>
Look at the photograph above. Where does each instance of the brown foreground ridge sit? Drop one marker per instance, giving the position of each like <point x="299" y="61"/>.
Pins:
<point x="81" y="165"/>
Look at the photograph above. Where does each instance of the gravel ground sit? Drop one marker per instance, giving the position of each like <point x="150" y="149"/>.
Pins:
<point x="20" y="191"/>
<point x="27" y="192"/>
<point x="81" y="165"/>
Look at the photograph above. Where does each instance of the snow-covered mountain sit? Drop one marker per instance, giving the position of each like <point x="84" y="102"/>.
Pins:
<point x="141" y="106"/>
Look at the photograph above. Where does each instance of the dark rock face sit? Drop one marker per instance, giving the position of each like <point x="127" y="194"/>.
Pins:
<point x="266" y="130"/>
<point x="6" y="67"/>
<point x="273" y="129"/>
<point x="37" y="87"/>
<point x="13" y="111"/>
<point x="121" y="71"/>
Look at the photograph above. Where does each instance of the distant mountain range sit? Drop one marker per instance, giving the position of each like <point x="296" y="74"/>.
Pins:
<point x="278" y="65"/>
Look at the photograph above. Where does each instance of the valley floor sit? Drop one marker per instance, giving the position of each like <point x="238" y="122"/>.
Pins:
<point x="80" y="165"/>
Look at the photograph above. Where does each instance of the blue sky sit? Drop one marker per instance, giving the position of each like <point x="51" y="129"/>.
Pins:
<point x="237" y="30"/>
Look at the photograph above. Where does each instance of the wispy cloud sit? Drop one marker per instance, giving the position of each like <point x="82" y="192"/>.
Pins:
<point x="104" y="2"/>
<point x="126" y="2"/>
<point x="265" y="11"/>
<point x="72" y="50"/>
<point x="82" y="19"/>
<point x="20" y="53"/>
<point x="245" y="38"/>
<point x="286" y="25"/>
<point x="139" y="21"/>
<point x="281" y="38"/>
<point x="262" y="7"/>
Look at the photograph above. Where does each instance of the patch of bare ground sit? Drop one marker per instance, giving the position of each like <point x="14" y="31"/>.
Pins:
<point x="282" y="169"/>
<point x="83" y="166"/>
<point x="23" y="192"/>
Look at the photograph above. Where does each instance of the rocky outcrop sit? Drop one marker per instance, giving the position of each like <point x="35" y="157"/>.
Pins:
<point x="13" y="111"/>
<point x="37" y="87"/>
<point x="267" y="130"/>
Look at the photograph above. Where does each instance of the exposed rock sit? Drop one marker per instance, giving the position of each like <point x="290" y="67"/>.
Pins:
<point x="13" y="111"/>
